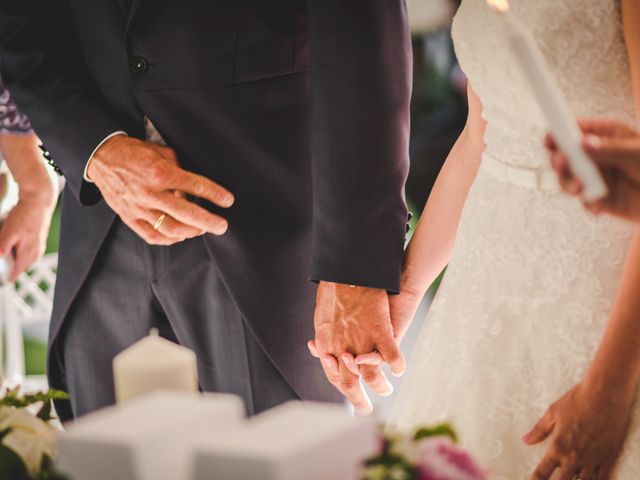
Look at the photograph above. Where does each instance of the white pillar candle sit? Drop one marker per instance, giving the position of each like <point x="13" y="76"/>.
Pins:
<point x="291" y="442"/>
<point x="561" y="121"/>
<point x="154" y="364"/>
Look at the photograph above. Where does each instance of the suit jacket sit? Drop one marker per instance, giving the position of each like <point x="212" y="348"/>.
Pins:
<point x="300" y="108"/>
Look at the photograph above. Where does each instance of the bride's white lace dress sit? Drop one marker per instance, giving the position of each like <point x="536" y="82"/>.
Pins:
<point x="527" y="294"/>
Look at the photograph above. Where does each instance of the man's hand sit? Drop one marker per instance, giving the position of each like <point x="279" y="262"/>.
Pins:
<point x="403" y="308"/>
<point x="141" y="181"/>
<point x="350" y="321"/>
<point x="615" y="147"/>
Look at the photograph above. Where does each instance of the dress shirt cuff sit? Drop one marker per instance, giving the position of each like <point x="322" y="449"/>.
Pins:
<point x="85" y="175"/>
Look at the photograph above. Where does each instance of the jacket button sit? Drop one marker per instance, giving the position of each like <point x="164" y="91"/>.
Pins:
<point x="138" y="65"/>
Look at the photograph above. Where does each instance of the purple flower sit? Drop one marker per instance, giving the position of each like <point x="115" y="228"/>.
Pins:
<point x="440" y="459"/>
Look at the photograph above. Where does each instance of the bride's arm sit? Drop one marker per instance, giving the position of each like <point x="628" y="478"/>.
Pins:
<point x="431" y="246"/>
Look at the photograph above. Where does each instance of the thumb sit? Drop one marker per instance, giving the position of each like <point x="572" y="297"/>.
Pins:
<point x="541" y="431"/>
<point x="390" y="351"/>
<point x="402" y="310"/>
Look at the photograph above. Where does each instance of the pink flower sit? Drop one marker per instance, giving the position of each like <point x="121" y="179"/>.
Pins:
<point x="440" y="459"/>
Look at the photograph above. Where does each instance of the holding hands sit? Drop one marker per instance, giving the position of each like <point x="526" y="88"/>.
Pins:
<point x="615" y="148"/>
<point x="351" y="321"/>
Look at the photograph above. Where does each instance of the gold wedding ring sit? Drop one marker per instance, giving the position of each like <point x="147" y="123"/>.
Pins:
<point x="159" y="221"/>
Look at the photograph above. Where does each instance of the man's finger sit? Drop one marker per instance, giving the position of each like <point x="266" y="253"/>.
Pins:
<point x="353" y="390"/>
<point x="350" y="363"/>
<point x="202" y="187"/>
<point x="373" y="358"/>
<point x="376" y="379"/>
<point x="149" y="235"/>
<point x="311" y="345"/>
<point x="170" y="227"/>
<point x="545" y="468"/>
<point x="189" y="213"/>
<point x="390" y="351"/>
<point x="331" y="364"/>
<point x="332" y="374"/>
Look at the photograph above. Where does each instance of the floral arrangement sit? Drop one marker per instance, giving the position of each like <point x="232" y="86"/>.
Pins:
<point x="27" y="440"/>
<point x="429" y="454"/>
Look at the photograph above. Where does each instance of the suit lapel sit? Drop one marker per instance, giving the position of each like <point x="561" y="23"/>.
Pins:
<point x="135" y="6"/>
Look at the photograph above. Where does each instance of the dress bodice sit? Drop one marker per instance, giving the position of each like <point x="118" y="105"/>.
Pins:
<point x="583" y="43"/>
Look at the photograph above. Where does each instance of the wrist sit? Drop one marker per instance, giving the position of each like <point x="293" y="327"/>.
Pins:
<point x="619" y="382"/>
<point x="103" y="152"/>
<point x="39" y="189"/>
<point x="411" y="285"/>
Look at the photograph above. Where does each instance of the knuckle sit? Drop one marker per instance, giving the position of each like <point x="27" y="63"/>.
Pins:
<point x="347" y="385"/>
<point x="197" y="185"/>
<point x="371" y="377"/>
<point x="157" y="175"/>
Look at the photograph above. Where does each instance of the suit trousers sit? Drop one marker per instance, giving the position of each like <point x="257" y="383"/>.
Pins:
<point x="134" y="287"/>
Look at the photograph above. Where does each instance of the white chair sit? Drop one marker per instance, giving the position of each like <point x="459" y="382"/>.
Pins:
<point x="27" y="302"/>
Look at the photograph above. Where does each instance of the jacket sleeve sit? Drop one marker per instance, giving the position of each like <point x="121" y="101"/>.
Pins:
<point x="43" y="67"/>
<point x="361" y="76"/>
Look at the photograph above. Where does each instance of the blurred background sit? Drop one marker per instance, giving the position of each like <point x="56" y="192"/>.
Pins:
<point x="439" y="112"/>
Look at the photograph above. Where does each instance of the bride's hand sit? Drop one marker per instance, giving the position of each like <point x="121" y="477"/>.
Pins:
<point x="403" y="308"/>
<point x="587" y="428"/>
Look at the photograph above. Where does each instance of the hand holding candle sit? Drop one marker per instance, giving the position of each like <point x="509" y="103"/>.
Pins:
<point x="554" y="107"/>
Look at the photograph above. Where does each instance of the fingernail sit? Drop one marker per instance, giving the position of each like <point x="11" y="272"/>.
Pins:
<point x="398" y="375"/>
<point x="228" y="201"/>
<point x="222" y="228"/>
<point x="526" y="438"/>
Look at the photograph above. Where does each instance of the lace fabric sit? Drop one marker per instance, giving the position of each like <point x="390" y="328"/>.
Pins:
<point x="529" y="289"/>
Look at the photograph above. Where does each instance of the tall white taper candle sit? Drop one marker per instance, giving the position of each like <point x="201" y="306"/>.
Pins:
<point x="561" y="121"/>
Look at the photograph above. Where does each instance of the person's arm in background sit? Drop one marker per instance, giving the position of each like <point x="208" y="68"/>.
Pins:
<point x="432" y="244"/>
<point x="43" y="68"/>
<point x="360" y="89"/>
<point x="24" y="231"/>
<point x="587" y="427"/>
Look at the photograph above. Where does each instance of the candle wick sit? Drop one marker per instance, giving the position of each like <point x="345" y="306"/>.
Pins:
<point x="154" y="332"/>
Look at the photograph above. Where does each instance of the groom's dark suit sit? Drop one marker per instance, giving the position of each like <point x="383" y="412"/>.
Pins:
<point x="298" y="108"/>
